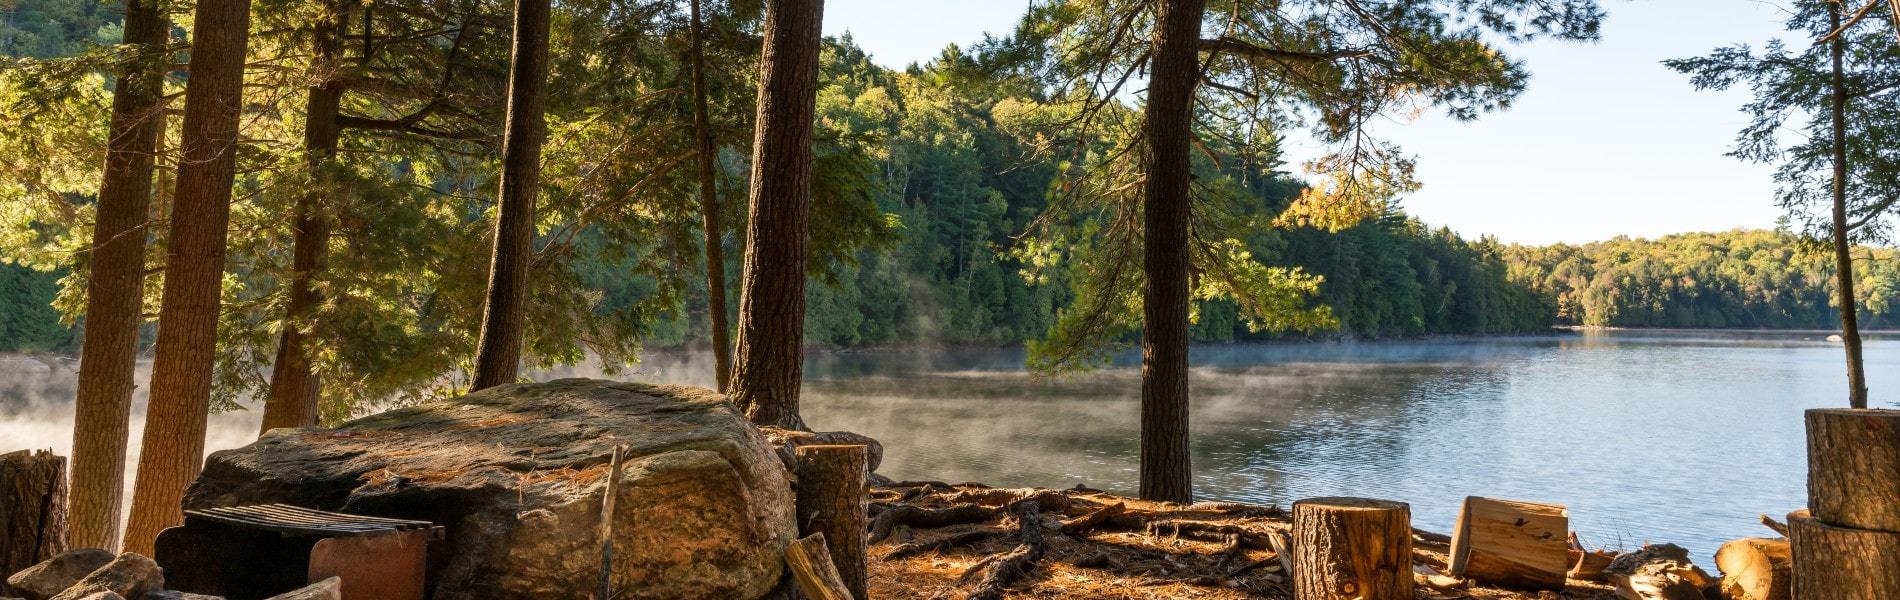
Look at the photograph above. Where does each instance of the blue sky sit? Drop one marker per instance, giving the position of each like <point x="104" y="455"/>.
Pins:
<point x="1605" y="142"/>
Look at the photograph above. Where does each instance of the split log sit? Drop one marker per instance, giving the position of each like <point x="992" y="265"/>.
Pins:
<point x="32" y="509"/>
<point x="1756" y="569"/>
<point x="1854" y="468"/>
<point x="1510" y="543"/>
<point x="1843" y="563"/>
<point x="925" y="518"/>
<point x="810" y="562"/>
<point x="1352" y="549"/>
<point x="831" y="501"/>
<point x="1588" y="565"/>
<point x="1003" y="570"/>
<point x="1658" y="572"/>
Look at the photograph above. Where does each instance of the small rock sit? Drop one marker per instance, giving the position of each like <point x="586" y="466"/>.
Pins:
<point x="53" y="576"/>
<point x="328" y="589"/>
<point x="128" y="575"/>
<point x="102" y="595"/>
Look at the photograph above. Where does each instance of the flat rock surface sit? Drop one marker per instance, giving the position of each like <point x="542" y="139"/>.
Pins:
<point x="55" y="574"/>
<point x="517" y="474"/>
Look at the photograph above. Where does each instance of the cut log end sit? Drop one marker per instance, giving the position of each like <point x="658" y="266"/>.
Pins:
<point x="1756" y="569"/>
<point x="1352" y="548"/>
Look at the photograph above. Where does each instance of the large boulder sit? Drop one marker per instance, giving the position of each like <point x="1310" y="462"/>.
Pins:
<point x="517" y="473"/>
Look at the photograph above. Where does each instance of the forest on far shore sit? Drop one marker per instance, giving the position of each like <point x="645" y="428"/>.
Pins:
<point x="1390" y="277"/>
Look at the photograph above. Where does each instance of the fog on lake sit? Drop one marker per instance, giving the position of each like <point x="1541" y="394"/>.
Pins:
<point x="1647" y="436"/>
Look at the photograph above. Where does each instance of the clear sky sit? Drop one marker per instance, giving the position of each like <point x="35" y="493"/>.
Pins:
<point x="1605" y="142"/>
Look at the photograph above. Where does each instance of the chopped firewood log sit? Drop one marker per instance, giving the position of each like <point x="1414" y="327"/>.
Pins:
<point x="923" y="518"/>
<point x="1509" y="543"/>
<point x="810" y="563"/>
<point x="1007" y="568"/>
<point x="1756" y="569"/>
<point x="1658" y="572"/>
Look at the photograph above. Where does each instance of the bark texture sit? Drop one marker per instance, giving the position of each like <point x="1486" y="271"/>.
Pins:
<point x="115" y="285"/>
<point x="831" y="502"/>
<point x="1854" y="467"/>
<point x="504" y="313"/>
<point x="173" y="447"/>
<point x="709" y="213"/>
<point x="294" y="383"/>
<point x="32" y="510"/>
<point x="1166" y="470"/>
<point x="1843" y="248"/>
<point x="769" y="354"/>
<point x="1842" y="563"/>
<point x="1352" y="549"/>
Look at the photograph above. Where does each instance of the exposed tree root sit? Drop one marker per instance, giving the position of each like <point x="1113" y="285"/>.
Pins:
<point x="1085" y="523"/>
<point x="1004" y="569"/>
<point x="922" y="518"/>
<point x="950" y="541"/>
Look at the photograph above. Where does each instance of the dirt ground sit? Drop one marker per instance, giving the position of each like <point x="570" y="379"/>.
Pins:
<point x="936" y="540"/>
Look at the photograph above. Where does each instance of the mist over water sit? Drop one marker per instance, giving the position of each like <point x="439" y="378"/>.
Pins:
<point x="1646" y="436"/>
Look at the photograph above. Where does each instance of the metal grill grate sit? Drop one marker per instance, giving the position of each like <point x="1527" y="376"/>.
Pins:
<point x="296" y="520"/>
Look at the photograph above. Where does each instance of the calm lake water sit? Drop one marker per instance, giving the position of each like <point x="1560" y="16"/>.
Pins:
<point x="1646" y="436"/>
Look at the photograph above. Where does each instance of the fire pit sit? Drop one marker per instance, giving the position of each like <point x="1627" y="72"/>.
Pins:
<point x="258" y="551"/>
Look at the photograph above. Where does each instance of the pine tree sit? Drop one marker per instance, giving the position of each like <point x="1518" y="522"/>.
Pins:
<point x="115" y="288"/>
<point x="504" y="313"/>
<point x="173" y="448"/>
<point x="769" y="352"/>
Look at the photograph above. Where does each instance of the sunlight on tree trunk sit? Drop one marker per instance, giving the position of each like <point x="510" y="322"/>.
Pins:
<point x="1166" y="469"/>
<point x="498" y="353"/>
<point x="115" y="286"/>
<point x="173" y="447"/>
<point x="765" y="379"/>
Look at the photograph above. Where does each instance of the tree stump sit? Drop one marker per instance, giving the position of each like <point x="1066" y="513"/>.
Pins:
<point x="1756" y="569"/>
<point x="832" y="501"/>
<point x="1512" y="544"/>
<point x="1854" y="468"/>
<point x="32" y="509"/>
<point x="1843" y="563"/>
<point x="1352" y="549"/>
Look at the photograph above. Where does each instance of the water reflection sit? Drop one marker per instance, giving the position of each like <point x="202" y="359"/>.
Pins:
<point x="1647" y="436"/>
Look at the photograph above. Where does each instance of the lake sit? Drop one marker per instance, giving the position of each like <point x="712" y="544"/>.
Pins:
<point x="1678" y="437"/>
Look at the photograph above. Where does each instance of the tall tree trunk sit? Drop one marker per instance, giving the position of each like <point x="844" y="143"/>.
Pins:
<point x="101" y="416"/>
<point x="772" y="294"/>
<point x="173" y="448"/>
<point x="294" y="383"/>
<point x="1166" y="470"/>
<point x="1843" y="250"/>
<point x="498" y="354"/>
<point x="709" y="212"/>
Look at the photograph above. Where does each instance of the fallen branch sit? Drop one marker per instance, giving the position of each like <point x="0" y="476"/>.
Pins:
<point x="1775" y="525"/>
<point x="921" y="518"/>
<point x="1208" y="532"/>
<point x="1007" y="568"/>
